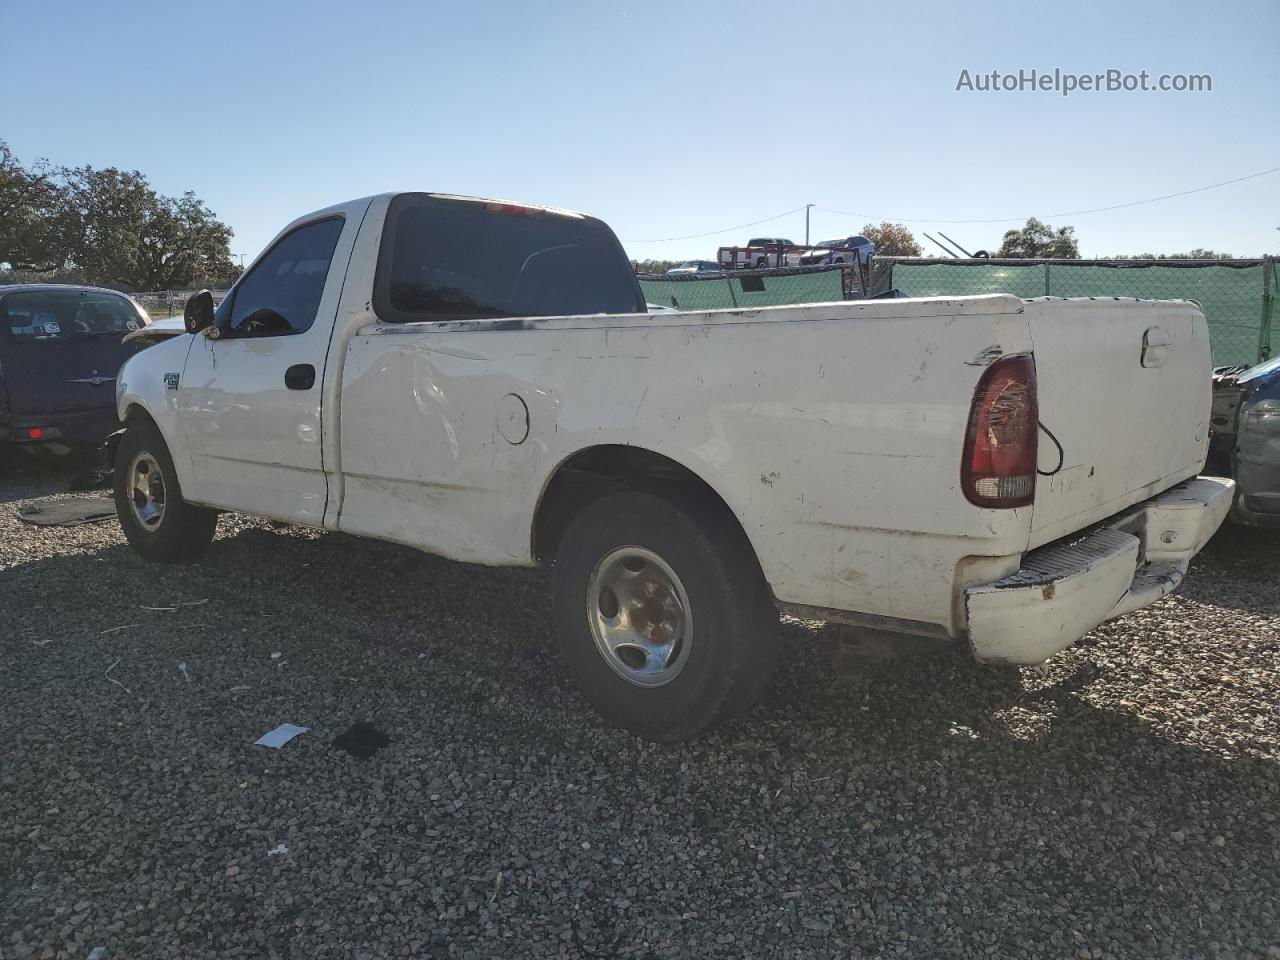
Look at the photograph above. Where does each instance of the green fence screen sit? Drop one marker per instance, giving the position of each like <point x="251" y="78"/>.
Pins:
<point x="1238" y="297"/>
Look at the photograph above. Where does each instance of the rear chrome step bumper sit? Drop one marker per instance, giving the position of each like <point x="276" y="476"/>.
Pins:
<point x="1065" y="589"/>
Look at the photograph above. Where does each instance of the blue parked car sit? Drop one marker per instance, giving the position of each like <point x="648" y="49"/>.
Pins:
<point x="60" y="350"/>
<point x="1244" y="439"/>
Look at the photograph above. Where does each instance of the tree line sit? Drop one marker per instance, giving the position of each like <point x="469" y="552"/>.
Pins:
<point x="1035" y="240"/>
<point x="105" y="227"/>
<point x="108" y="227"/>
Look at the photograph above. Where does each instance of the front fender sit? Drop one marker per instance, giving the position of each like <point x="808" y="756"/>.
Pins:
<point x="151" y="381"/>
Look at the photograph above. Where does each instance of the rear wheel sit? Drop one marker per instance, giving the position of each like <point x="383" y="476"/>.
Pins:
<point x="158" y="523"/>
<point x="664" y="618"/>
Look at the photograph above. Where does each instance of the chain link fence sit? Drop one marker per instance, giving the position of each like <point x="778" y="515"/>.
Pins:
<point x="1237" y="296"/>
<point x="752" y="288"/>
<point x="169" y="303"/>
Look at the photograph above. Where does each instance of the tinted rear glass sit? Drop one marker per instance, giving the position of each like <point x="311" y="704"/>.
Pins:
<point x="461" y="259"/>
<point x="61" y="315"/>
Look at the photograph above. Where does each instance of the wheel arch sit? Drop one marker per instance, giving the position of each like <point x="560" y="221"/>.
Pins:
<point x="590" y="471"/>
<point x="135" y="412"/>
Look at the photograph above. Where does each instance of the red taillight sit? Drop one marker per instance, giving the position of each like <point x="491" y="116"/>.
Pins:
<point x="35" y="433"/>
<point x="999" y="465"/>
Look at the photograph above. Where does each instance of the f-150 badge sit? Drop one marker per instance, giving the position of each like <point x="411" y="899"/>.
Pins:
<point x="171" y="381"/>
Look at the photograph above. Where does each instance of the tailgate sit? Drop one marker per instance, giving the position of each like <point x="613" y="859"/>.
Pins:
<point x="1124" y="385"/>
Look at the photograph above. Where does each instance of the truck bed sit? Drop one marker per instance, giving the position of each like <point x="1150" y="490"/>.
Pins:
<point x="833" y="431"/>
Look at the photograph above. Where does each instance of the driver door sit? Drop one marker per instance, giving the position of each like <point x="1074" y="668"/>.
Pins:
<point x="250" y="401"/>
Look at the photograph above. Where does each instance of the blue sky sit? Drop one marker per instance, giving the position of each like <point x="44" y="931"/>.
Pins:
<point x="667" y="119"/>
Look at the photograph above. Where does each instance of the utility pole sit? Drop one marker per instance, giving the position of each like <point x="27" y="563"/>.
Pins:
<point x="806" y="223"/>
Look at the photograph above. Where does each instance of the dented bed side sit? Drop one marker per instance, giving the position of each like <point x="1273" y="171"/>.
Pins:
<point x="832" y="431"/>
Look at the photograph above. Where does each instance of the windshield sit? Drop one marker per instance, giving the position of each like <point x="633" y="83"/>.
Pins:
<point x="1261" y="370"/>
<point x="828" y="244"/>
<point x="62" y="315"/>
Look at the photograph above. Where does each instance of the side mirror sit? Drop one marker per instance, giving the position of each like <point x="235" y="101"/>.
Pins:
<point x="198" y="313"/>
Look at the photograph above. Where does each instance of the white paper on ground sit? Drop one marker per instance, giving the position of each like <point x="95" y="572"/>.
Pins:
<point x="281" y="735"/>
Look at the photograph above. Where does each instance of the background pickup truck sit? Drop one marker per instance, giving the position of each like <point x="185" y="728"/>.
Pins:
<point x="480" y="380"/>
<point x="760" y="253"/>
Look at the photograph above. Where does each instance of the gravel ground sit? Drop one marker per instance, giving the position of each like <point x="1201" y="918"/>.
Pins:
<point x="1124" y="804"/>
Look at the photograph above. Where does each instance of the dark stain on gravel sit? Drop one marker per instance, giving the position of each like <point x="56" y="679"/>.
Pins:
<point x="361" y="740"/>
<point x="1124" y="804"/>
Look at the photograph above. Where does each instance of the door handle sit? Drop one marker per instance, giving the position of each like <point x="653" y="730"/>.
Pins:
<point x="301" y="376"/>
<point x="1155" y="346"/>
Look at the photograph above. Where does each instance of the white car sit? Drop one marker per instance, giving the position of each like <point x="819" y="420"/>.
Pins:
<point x="482" y="380"/>
<point x="696" y="267"/>
<point x="842" y="250"/>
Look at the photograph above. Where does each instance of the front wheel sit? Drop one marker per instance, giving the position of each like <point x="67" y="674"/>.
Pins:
<point x="664" y="618"/>
<point x="158" y="523"/>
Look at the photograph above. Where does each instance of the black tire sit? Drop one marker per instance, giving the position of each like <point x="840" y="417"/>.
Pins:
<point x="762" y="264"/>
<point x="182" y="531"/>
<point x="733" y="632"/>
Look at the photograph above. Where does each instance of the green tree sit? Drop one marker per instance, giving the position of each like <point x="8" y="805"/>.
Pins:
<point x="120" y="231"/>
<point x="1196" y="253"/>
<point x="1040" y="241"/>
<point x="30" y="199"/>
<point x="892" y="240"/>
<point x="653" y="266"/>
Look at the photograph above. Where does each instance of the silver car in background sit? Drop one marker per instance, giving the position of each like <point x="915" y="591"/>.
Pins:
<point x="1245" y="440"/>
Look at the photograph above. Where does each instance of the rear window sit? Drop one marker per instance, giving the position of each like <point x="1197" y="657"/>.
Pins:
<point x="447" y="259"/>
<point x="61" y="315"/>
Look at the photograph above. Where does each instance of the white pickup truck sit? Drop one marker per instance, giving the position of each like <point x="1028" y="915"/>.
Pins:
<point x="480" y="380"/>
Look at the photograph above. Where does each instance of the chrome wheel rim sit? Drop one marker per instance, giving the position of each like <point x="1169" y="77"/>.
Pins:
<point x="146" y="491"/>
<point x="640" y="616"/>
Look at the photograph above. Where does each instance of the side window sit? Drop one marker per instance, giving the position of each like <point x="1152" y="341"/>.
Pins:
<point x="281" y="294"/>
